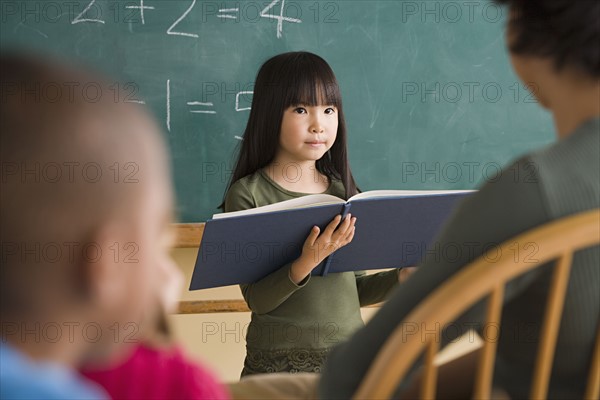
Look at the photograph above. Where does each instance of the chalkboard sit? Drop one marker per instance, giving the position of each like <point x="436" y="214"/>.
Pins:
<point x="430" y="99"/>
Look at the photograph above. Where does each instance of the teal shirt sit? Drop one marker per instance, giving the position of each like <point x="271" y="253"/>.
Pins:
<point x="294" y="326"/>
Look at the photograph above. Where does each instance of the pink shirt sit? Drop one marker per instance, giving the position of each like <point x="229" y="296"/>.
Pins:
<point x="157" y="373"/>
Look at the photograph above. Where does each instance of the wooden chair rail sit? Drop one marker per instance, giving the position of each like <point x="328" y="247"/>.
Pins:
<point x="221" y="306"/>
<point x="212" y="306"/>
<point x="188" y="235"/>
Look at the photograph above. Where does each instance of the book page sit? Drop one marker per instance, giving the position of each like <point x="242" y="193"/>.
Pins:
<point x="403" y="193"/>
<point x="312" y="200"/>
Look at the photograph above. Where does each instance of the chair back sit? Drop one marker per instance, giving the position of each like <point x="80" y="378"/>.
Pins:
<point x="557" y="240"/>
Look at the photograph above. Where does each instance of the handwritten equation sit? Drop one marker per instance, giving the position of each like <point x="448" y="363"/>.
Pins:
<point x="92" y="14"/>
<point x="198" y="107"/>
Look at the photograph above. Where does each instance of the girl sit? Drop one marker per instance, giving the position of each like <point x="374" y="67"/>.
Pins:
<point x="295" y="144"/>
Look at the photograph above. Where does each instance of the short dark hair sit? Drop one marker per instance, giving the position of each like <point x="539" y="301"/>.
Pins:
<point x="566" y="31"/>
<point x="291" y="79"/>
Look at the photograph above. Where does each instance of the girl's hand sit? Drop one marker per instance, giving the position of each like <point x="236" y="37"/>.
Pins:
<point x="317" y="247"/>
<point x="405" y="273"/>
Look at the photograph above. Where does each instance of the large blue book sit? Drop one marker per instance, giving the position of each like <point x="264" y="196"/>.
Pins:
<point x="393" y="229"/>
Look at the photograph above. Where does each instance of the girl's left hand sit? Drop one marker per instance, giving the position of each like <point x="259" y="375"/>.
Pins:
<point x="318" y="246"/>
<point x="335" y="236"/>
<point x="405" y="273"/>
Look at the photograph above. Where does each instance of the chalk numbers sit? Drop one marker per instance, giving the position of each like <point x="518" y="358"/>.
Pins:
<point x="276" y="10"/>
<point x="170" y="31"/>
<point x="81" y="16"/>
<point x="279" y="17"/>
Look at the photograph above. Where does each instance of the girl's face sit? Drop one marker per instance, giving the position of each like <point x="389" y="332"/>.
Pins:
<point x="307" y="132"/>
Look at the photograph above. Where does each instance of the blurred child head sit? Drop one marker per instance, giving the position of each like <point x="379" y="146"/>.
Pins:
<point x="86" y="202"/>
<point x="157" y="329"/>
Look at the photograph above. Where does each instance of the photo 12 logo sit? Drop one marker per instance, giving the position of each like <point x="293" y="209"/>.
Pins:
<point x="69" y="331"/>
<point x="68" y="172"/>
<point x="451" y="12"/>
<point x="469" y="92"/>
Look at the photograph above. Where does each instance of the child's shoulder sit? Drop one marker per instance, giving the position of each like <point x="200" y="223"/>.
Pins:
<point x="241" y="193"/>
<point x="246" y="185"/>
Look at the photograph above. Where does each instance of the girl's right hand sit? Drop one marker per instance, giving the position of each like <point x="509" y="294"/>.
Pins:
<point x="317" y="247"/>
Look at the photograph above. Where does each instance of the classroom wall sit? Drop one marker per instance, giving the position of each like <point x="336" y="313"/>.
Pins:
<point x="217" y="340"/>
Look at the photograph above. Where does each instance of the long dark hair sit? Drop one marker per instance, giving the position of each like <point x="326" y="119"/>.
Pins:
<point x="286" y="80"/>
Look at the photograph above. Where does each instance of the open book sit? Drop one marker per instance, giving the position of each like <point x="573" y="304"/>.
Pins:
<point x="393" y="228"/>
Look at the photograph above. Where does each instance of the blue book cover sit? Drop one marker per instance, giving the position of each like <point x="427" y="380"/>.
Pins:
<point x="393" y="229"/>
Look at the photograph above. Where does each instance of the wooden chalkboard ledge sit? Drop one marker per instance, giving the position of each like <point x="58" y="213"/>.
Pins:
<point x="221" y="306"/>
<point x="188" y="235"/>
<point x="212" y="306"/>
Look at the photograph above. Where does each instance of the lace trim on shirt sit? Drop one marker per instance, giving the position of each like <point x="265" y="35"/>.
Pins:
<point x="288" y="360"/>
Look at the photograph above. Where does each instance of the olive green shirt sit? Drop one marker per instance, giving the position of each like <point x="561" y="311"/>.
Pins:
<point x="293" y="326"/>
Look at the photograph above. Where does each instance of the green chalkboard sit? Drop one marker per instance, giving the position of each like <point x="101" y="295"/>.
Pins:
<point x="429" y="95"/>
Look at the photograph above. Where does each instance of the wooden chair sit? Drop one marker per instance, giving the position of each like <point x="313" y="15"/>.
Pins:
<point x="557" y="241"/>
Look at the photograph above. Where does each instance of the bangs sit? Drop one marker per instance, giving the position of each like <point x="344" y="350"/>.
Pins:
<point x="312" y="91"/>
<point x="308" y="80"/>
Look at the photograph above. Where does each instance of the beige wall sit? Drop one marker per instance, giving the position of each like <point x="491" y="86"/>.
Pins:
<point x="215" y="339"/>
